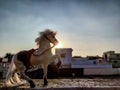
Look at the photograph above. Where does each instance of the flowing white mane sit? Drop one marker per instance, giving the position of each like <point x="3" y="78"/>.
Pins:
<point x="41" y="35"/>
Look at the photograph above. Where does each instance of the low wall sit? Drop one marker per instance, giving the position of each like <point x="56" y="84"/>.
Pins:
<point x="92" y="66"/>
<point x="66" y="88"/>
<point x="70" y="72"/>
<point x="102" y="71"/>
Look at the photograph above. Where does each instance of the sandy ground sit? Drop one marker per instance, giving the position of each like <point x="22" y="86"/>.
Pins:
<point x="76" y="82"/>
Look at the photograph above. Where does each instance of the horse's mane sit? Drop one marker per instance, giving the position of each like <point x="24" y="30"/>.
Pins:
<point x="41" y="35"/>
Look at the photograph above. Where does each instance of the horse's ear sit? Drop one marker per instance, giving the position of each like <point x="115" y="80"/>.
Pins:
<point x="54" y="33"/>
<point x="37" y="40"/>
<point x="41" y="33"/>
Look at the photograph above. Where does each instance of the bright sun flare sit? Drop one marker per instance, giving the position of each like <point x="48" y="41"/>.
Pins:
<point x="59" y="45"/>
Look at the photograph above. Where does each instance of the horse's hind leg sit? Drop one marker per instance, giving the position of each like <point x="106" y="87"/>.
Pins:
<point x="18" y="80"/>
<point x="21" y="68"/>
<point x="32" y="85"/>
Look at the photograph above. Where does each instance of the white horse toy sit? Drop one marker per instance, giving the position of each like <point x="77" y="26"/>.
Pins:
<point x="42" y="56"/>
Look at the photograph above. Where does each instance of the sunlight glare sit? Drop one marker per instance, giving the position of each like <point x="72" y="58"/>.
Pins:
<point x="59" y="45"/>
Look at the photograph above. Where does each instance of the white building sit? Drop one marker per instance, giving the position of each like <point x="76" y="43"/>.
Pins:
<point x="66" y="55"/>
<point x="85" y="63"/>
<point x="113" y="58"/>
<point x="69" y="62"/>
<point x="86" y="66"/>
<point x="4" y="66"/>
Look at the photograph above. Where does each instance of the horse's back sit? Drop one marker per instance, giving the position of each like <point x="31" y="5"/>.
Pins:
<point x="24" y="56"/>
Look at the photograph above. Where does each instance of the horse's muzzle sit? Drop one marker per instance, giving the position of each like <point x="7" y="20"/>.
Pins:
<point x="55" y="43"/>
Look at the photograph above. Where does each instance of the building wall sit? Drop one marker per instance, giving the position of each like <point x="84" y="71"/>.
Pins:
<point x="102" y="71"/>
<point x="1" y="71"/>
<point x="113" y="58"/>
<point x="85" y="63"/>
<point x="91" y="66"/>
<point x="4" y="66"/>
<point x="115" y="63"/>
<point x="66" y="56"/>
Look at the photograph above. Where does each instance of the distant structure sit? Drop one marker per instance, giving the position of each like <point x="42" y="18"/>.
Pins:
<point x="80" y="62"/>
<point x="108" y="64"/>
<point x="66" y="55"/>
<point x="112" y="57"/>
<point x="90" y="65"/>
<point x="4" y="65"/>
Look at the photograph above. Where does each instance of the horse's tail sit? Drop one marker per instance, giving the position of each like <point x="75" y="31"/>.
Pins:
<point x="12" y="78"/>
<point x="10" y="73"/>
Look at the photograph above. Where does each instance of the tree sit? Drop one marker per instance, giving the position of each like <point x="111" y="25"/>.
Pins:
<point x="0" y="59"/>
<point x="9" y="56"/>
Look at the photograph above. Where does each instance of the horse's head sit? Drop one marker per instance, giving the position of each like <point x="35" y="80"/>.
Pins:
<point x="49" y="36"/>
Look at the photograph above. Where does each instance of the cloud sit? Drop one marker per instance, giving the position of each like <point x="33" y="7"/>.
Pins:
<point x="83" y="21"/>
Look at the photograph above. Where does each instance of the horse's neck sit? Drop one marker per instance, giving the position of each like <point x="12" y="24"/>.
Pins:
<point x="44" y="46"/>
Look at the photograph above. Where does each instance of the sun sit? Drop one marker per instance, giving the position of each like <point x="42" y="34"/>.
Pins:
<point x="59" y="45"/>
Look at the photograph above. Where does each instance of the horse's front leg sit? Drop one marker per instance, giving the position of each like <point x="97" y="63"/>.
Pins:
<point x="45" y="74"/>
<point x="54" y="57"/>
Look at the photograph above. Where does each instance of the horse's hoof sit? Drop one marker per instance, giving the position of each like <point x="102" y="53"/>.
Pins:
<point x="32" y="85"/>
<point x="45" y="82"/>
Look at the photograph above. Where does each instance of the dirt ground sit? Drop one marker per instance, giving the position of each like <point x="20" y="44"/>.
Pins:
<point x="74" y="82"/>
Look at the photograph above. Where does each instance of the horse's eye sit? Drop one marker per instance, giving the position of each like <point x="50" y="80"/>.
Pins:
<point x="53" y="36"/>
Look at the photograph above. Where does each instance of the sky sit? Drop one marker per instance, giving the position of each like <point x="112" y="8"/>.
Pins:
<point x="89" y="27"/>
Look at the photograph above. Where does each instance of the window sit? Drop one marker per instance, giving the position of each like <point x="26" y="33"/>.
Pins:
<point x="94" y="62"/>
<point x="62" y="55"/>
<point x="114" y="61"/>
<point x="117" y="55"/>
